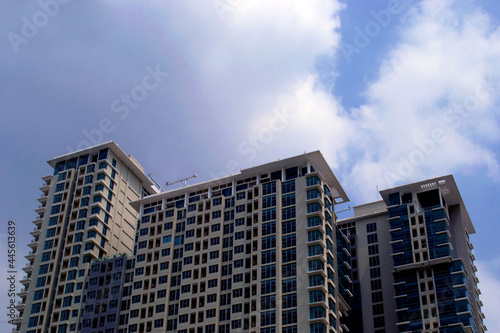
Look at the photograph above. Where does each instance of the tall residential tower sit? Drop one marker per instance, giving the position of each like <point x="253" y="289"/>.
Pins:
<point x="84" y="214"/>
<point x="412" y="266"/>
<point x="260" y="251"/>
<point x="251" y="252"/>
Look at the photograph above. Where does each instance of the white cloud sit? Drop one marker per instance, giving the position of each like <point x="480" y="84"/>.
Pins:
<point x="226" y="73"/>
<point x="232" y="75"/>
<point x="432" y="109"/>
<point x="316" y="121"/>
<point x="489" y="283"/>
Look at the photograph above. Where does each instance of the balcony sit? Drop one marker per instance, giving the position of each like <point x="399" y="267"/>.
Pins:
<point x="20" y="305"/>
<point x="318" y="287"/>
<point x="323" y="304"/>
<point x="31" y="255"/>
<point x="38" y="222"/>
<point x="33" y="244"/>
<point x="23" y="293"/>
<point x="91" y="254"/>
<point x="35" y="232"/>
<point x="318" y="199"/>
<point x="322" y="320"/>
<point x="317" y="227"/>
<point x="403" y="323"/>
<point x="99" y="204"/>
<point x="318" y="272"/>
<point x="317" y="213"/>
<point x="26" y="280"/>
<point x="40" y="210"/>
<point x="43" y="200"/>
<point x="45" y="188"/>
<point x="29" y="268"/>
<point x="17" y="320"/>
<point x="319" y="241"/>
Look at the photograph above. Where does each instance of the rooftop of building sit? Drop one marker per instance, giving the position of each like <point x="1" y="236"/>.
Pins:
<point x="449" y="190"/>
<point x="315" y="159"/>
<point x="446" y="184"/>
<point x="128" y="160"/>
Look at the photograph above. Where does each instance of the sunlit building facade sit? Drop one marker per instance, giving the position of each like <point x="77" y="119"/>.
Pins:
<point x="253" y="252"/>
<point x="84" y="214"/>
<point x="260" y="251"/>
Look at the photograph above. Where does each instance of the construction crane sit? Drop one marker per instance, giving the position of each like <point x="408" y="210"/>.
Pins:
<point x="184" y="180"/>
<point x="156" y="183"/>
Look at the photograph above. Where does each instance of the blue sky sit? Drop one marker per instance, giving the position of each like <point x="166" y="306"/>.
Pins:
<point x="390" y="92"/>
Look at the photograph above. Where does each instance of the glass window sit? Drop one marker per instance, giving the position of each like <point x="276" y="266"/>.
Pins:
<point x="288" y="227"/>
<point x="268" y="318"/>
<point x="269" y="201"/>
<point x="268" y="228"/>
<point x="268" y="287"/>
<point x="46" y="256"/>
<point x="289" y="301"/>
<point x="268" y="271"/>
<point x="289" y="270"/>
<point x="268" y="257"/>
<point x="288" y="187"/>
<point x="288" y="241"/>
<point x="269" y="188"/>
<point x="288" y="213"/>
<point x="268" y="242"/>
<point x="289" y="317"/>
<point x="288" y="200"/>
<point x="314" y="180"/>
<point x="268" y="302"/>
<point x="55" y="209"/>
<point x="269" y="214"/>
<point x="289" y="255"/>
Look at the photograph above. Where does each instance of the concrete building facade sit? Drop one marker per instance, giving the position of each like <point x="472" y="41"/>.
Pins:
<point x="413" y="270"/>
<point x="260" y="251"/>
<point x="255" y="251"/>
<point x="85" y="214"/>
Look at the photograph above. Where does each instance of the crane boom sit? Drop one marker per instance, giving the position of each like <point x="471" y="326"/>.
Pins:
<point x="184" y="180"/>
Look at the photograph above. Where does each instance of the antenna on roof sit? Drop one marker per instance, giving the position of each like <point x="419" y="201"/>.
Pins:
<point x="156" y="183"/>
<point x="184" y="180"/>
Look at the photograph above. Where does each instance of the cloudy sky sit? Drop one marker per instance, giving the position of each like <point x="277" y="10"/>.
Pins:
<point x="390" y="92"/>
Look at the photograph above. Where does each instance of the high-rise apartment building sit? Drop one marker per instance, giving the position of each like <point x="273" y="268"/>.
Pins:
<point x="412" y="266"/>
<point x="255" y="252"/>
<point x="258" y="251"/>
<point x="85" y="214"/>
